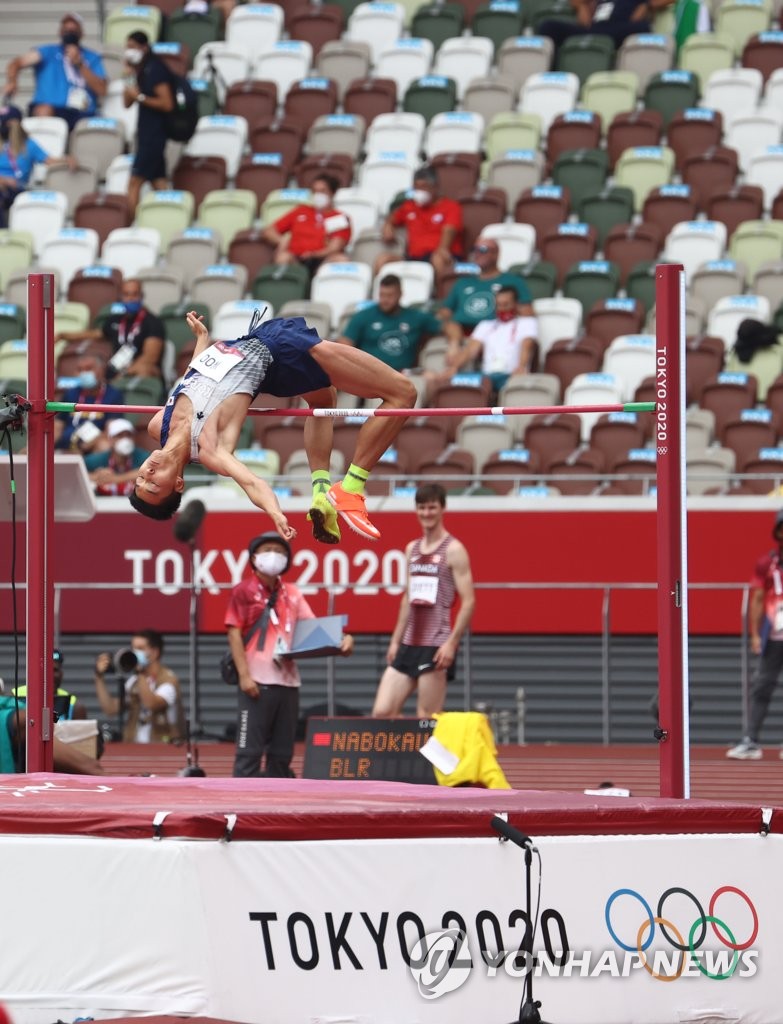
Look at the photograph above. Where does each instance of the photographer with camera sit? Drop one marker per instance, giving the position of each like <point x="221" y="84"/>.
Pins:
<point x="148" y="705"/>
<point x="69" y="78"/>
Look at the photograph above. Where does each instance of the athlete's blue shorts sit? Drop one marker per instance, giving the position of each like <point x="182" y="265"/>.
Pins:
<point x="293" y="370"/>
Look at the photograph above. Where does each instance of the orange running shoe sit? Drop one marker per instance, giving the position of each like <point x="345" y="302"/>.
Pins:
<point x="353" y="510"/>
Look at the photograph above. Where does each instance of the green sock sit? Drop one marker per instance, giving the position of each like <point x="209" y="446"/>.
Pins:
<point x="355" y="479"/>
<point x="321" y="482"/>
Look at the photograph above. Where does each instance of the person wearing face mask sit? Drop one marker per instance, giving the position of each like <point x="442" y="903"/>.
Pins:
<point x="114" y="471"/>
<point x="90" y="389"/>
<point x="150" y="705"/>
<point x="505" y="343"/>
<point x="433" y="225"/>
<point x="148" y="87"/>
<point x="135" y="334"/>
<point x="260" y="620"/>
<point x="18" y="156"/>
<point x="69" y="78"/>
<point x="313" y="233"/>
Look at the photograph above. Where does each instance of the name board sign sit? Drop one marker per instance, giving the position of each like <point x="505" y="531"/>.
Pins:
<point x="378" y="749"/>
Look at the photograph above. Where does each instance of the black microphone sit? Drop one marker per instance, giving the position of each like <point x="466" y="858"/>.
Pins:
<point x="189" y="520"/>
<point x="509" y="832"/>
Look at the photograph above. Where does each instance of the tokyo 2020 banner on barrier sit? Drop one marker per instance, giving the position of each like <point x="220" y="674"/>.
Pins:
<point x="587" y="543"/>
<point x="643" y="929"/>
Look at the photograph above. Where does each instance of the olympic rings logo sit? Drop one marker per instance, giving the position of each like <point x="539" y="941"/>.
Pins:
<point x="646" y="931"/>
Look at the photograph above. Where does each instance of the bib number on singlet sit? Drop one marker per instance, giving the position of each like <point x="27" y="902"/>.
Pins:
<point x="423" y="590"/>
<point x="215" y="361"/>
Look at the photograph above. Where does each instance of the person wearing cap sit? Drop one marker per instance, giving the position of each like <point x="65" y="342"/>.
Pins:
<point x="423" y="646"/>
<point x="150" y="705"/>
<point x="260" y="620"/>
<point x="67" y="705"/>
<point x="765" y="622"/>
<point x="89" y="388"/>
<point x="114" y="471"/>
<point x="285" y="358"/>
<point x="69" y="78"/>
<point x="18" y="156"/>
<point x="149" y="88"/>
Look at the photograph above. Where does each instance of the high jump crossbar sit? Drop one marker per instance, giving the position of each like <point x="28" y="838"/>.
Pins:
<point x="669" y="412"/>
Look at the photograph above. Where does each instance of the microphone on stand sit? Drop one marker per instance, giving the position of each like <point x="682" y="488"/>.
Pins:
<point x="187" y="523"/>
<point x="509" y="832"/>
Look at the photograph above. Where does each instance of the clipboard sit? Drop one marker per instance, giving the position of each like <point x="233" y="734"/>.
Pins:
<point x="317" y="638"/>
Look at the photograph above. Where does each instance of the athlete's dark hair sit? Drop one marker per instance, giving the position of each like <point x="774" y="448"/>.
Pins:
<point x="165" y="510"/>
<point x="430" y="492"/>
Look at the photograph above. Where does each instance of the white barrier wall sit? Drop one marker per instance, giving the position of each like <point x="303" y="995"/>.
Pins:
<point x="297" y="933"/>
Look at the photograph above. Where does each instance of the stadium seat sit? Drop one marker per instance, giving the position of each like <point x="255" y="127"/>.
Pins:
<point x="256" y="27"/>
<point x="576" y="129"/>
<point x="40" y="213"/>
<point x="232" y="317"/>
<point x="70" y="250"/>
<point x="430" y="95"/>
<point x="629" y="359"/>
<point x="13" y="322"/>
<point x="252" y="99"/>
<point x="734" y="91"/>
<point x="508" y="469"/>
<point x="131" y="249"/>
<point x="103" y="212"/>
<point x="385" y="174"/>
<point x="528" y="391"/>
<point x="765" y="169"/>
<point x="609" y="93"/>
<point x="593" y="389"/>
<point x="402" y="132"/>
<point x="71" y="316"/>
<point x="637" y="472"/>
<point x="483" y="435"/>
<point x="261" y="173"/>
<point x="693" y="131"/>
<point x="121" y="21"/>
<point x="317" y="24"/>
<point x="13" y="360"/>
<point x="227" y="63"/>
<point x="735" y="206"/>
<point x="162" y="286"/>
<point x="755" y="242"/>
<point x="218" y="284"/>
<point x="342" y="60"/>
<point x="557" y="318"/>
<point x="766" y="365"/>
<point x="511" y="132"/>
<point x="227" y="211"/>
<point x="634" y="128"/>
<point x="308" y="99"/>
<point x="582" y="171"/>
<point x="339" y="166"/>
<point x="668" y="205"/>
<point x="709" y="472"/>
<point x="590" y="281"/>
<point x="605" y="209"/>
<point x="714" y="170"/>
<point x="519" y="57"/>
<point x="417" y="280"/>
<point x="497" y="20"/>
<point x="361" y="206"/>
<point x="368" y="97"/>
<point x="515" y="172"/>
<point x="615" y="434"/>
<point x="340" y="284"/>
<point x="741" y="19"/>
<point x="281" y="201"/>
<point x="568" y="244"/>
<point x="278" y="284"/>
<point x="646" y="54"/>
<point x="585" y="55"/>
<point x="729" y="312"/>
<point x="552" y="436"/>
<point x="704" y="358"/>
<point x="608" y="318"/>
<point x="94" y="286"/>
<point x="96" y="141"/>
<point x="716" y="279"/>
<point x="768" y="282"/>
<point x="194" y="248"/>
<point x="114" y="109"/>
<point x="670" y="92"/>
<point x="437" y="22"/>
<point x="628" y="244"/>
<point x="643" y="168"/>
<point x="568" y="357"/>
<point x="454" y="132"/>
<point x="317" y="315"/>
<point x="278" y="135"/>
<point x="536" y="11"/>
<point x="405" y="60"/>
<point x="540" y="278"/>
<point x="751" y="133"/>
<point x="199" y="175"/>
<point x="705" y="52"/>
<point x="456" y="172"/>
<point x="549" y="94"/>
<point x="516" y="242"/>
<point x="220" y="135"/>
<point x="285" y="63"/>
<point x="479" y="208"/>
<point x="543" y="207"/>
<point x="376" y="24"/>
<point x="764" y="51"/>
<point x="490" y="96"/>
<point x="463" y="59"/>
<point x="336" y="133"/>
<point x="176" y="327"/>
<point x="169" y="211"/>
<point x="118" y="174"/>
<point x="578" y="473"/>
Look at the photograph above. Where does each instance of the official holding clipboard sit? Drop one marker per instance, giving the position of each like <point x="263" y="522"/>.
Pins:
<point x="261" y="620"/>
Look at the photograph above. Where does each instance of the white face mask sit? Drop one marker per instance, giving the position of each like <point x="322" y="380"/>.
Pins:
<point x="141" y="658"/>
<point x="133" y="56"/>
<point x="321" y="200"/>
<point x="421" y="196"/>
<point x="270" y="563"/>
<point x="124" y="446"/>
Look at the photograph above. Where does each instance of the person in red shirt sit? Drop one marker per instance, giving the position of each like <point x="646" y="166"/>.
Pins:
<point x="433" y="225"/>
<point x="312" y="234"/>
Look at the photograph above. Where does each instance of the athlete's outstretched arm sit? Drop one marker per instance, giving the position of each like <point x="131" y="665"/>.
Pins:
<point x="259" y="491"/>
<point x="200" y="332"/>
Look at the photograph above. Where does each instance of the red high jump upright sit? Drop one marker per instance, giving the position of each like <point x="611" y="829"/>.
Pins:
<point x="672" y="532"/>
<point x="40" y="523"/>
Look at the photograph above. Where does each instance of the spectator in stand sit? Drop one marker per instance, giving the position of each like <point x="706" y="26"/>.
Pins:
<point x="765" y="623"/>
<point x="312" y="234"/>
<point x="114" y="470"/>
<point x="433" y="225"/>
<point x="13" y="735"/>
<point x="471" y="298"/>
<point x="149" y="86"/>
<point x="67" y="706"/>
<point x="69" y="78"/>
<point x="615" y="18"/>
<point x="91" y="389"/>
<point x="149" y="705"/>
<point x="18" y="156"/>
<point x="388" y="330"/>
<point x="136" y="334"/>
<point x="506" y="343"/>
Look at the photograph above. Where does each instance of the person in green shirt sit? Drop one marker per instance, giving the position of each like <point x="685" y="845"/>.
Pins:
<point x="472" y="297"/>
<point x="388" y="330"/>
